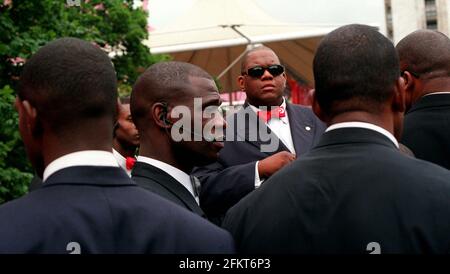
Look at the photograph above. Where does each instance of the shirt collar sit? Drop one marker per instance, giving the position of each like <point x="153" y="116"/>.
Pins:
<point x="120" y="159"/>
<point x="436" y="93"/>
<point x="283" y="105"/>
<point x="81" y="158"/>
<point x="179" y="175"/>
<point x="366" y="126"/>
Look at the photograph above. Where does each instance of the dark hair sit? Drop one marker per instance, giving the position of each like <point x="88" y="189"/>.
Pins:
<point x="162" y="82"/>
<point x="69" y="81"/>
<point x="355" y="68"/>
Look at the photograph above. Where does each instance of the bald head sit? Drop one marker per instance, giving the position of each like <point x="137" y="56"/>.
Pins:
<point x="355" y="69"/>
<point x="425" y="53"/>
<point x="250" y="52"/>
<point x="163" y="82"/>
<point x="70" y="81"/>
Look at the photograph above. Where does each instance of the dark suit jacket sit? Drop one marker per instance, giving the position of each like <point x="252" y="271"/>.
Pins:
<point x="427" y="129"/>
<point x="161" y="183"/>
<point x="232" y="177"/>
<point x="353" y="193"/>
<point x="103" y="211"/>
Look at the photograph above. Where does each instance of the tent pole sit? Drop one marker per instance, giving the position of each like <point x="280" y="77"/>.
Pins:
<point x="233" y="27"/>
<point x="249" y="46"/>
<point x="232" y="64"/>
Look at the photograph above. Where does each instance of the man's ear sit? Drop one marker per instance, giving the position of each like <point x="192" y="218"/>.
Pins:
<point x="408" y="79"/>
<point x="241" y="82"/>
<point x="316" y="107"/>
<point x="118" y="109"/>
<point x="160" y="115"/>
<point x="285" y="79"/>
<point x="29" y="116"/>
<point x="410" y="86"/>
<point x="400" y="89"/>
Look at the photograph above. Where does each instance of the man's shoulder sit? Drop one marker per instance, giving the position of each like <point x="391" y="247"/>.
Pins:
<point x="305" y="111"/>
<point x="120" y="211"/>
<point x="131" y="202"/>
<point x="422" y="169"/>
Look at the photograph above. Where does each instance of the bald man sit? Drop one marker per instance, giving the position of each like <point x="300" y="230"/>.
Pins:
<point x="354" y="192"/>
<point x="166" y="158"/>
<point x="87" y="204"/>
<point x="259" y="144"/>
<point x="425" y="66"/>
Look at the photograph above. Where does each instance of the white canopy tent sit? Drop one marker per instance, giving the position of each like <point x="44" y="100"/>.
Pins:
<point x="214" y="34"/>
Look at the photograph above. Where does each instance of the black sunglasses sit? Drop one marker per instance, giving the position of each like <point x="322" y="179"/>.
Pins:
<point x="258" y="71"/>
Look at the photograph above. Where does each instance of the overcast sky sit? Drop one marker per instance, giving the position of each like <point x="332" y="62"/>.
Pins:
<point x="303" y="11"/>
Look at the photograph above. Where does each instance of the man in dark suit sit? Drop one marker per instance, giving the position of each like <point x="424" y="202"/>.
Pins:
<point x="354" y="192"/>
<point x="257" y="146"/>
<point x="425" y="65"/>
<point x="67" y="104"/>
<point x="170" y="146"/>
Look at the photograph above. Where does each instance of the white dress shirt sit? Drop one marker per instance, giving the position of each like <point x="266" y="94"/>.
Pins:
<point x="280" y="127"/>
<point x="122" y="161"/>
<point x="179" y="175"/>
<point x="366" y="126"/>
<point x="81" y="158"/>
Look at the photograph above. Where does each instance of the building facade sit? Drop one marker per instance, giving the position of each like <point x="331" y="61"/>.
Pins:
<point x="406" y="16"/>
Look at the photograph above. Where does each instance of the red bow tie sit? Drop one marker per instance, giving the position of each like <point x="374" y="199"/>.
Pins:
<point x="276" y="112"/>
<point x="130" y="161"/>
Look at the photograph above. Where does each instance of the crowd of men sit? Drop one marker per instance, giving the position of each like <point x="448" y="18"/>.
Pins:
<point x="364" y="170"/>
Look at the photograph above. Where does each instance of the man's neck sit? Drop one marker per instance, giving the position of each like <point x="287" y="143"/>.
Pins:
<point x="164" y="154"/>
<point x="125" y="151"/>
<point x="54" y="147"/>
<point x="360" y="116"/>
<point x="260" y="104"/>
<point x="436" y="85"/>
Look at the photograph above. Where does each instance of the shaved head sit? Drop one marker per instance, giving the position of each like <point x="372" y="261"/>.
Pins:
<point x="426" y="53"/>
<point x="355" y="69"/>
<point x="249" y="52"/>
<point x="162" y="82"/>
<point x="70" y="81"/>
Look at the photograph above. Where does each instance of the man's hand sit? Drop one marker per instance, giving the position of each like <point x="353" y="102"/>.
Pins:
<point x="273" y="163"/>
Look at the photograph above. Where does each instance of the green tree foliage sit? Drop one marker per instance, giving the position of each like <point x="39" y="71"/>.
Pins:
<point x="26" y="25"/>
<point x="15" y="172"/>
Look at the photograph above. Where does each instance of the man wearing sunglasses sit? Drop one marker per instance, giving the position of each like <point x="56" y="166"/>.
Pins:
<point x="244" y="163"/>
<point x="425" y="65"/>
<point x="354" y="192"/>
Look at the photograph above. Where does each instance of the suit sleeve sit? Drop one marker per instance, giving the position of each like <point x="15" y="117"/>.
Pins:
<point x="224" y="187"/>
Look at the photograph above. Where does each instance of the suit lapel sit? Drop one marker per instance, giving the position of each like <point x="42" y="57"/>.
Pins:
<point x="168" y="182"/>
<point x="299" y="124"/>
<point x="254" y="131"/>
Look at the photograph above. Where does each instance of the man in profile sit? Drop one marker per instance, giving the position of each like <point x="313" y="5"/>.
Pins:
<point x="126" y="137"/>
<point x="169" y="151"/>
<point x="425" y="65"/>
<point x="67" y="104"/>
<point x="354" y="192"/>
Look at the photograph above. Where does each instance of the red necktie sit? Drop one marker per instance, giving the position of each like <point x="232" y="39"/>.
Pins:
<point x="130" y="162"/>
<point x="276" y="112"/>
